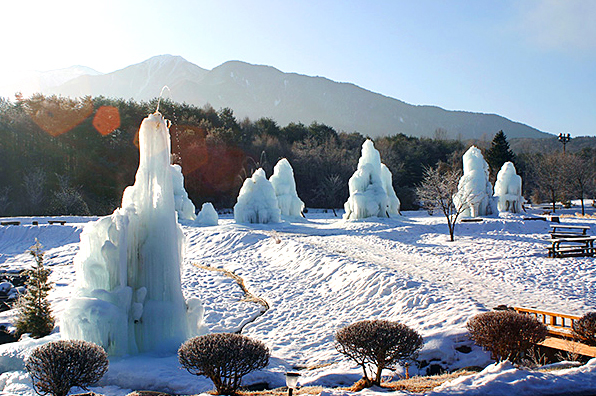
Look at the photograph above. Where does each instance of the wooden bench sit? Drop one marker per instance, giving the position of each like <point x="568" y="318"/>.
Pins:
<point x="7" y="223"/>
<point x="571" y="247"/>
<point x="61" y="222"/>
<point x="560" y="331"/>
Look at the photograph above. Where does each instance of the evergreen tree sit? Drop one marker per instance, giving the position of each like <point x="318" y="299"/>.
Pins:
<point x="499" y="152"/>
<point x="34" y="314"/>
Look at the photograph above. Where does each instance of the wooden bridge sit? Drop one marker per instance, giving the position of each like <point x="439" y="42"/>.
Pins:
<point x="560" y="331"/>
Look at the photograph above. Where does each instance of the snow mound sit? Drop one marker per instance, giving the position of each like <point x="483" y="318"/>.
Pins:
<point x="371" y="188"/>
<point x="285" y="189"/>
<point x="257" y="202"/>
<point x="207" y="216"/>
<point x="508" y="189"/>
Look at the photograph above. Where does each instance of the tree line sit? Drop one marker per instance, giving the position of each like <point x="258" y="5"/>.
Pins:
<point x="76" y="156"/>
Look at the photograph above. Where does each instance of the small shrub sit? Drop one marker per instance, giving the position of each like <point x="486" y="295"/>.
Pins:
<point x="507" y="334"/>
<point x="585" y="328"/>
<point x="60" y="365"/>
<point x="377" y="344"/>
<point x="224" y="358"/>
<point x="34" y="313"/>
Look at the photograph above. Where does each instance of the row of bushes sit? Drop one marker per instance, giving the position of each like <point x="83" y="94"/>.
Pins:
<point x="225" y="358"/>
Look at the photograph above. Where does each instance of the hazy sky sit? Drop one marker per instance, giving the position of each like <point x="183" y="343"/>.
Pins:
<point x="530" y="61"/>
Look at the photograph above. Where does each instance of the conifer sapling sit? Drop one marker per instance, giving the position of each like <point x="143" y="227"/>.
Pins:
<point x="34" y="314"/>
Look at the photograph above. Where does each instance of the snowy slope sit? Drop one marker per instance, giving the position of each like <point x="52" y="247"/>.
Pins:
<point x="322" y="273"/>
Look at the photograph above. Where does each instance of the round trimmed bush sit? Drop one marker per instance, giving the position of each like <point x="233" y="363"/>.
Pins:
<point x="507" y="334"/>
<point x="585" y="328"/>
<point x="377" y="344"/>
<point x="57" y="366"/>
<point x="224" y="358"/>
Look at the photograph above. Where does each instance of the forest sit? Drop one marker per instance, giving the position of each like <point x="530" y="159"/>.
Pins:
<point x="62" y="156"/>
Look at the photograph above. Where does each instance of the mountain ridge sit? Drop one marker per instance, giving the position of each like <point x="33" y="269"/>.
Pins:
<point x="256" y="91"/>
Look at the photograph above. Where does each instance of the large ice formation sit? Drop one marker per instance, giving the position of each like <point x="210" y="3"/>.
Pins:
<point x="371" y="188"/>
<point x="285" y="189"/>
<point x="257" y="202"/>
<point x="184" y="206"/>
<point x="128" y="295"/>
<point x="208" y="215"/>
<point x="508" y="189"/>
<point x="474" y="190"/>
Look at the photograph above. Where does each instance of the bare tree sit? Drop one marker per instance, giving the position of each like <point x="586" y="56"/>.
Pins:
<point x="330" y="191"/>
<point x="4" y="201"/>
<point x="549" y="172"/>
<point x="34" y="184"/>
<point x="437" y="192"/>
<point x="579" y="176"/>
<point x="68" y="200"/>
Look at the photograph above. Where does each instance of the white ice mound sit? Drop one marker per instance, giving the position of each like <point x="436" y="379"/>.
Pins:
<point x="474" y="190"/>
<point x="371" y="188"/>
<point x="208" y="215"/>
<point x="257" y="202"/>
<point x="285" y="189"/>
<point x="184" y="206"/>
<point x="128" y="295"/>
<point x="508" y="189"/>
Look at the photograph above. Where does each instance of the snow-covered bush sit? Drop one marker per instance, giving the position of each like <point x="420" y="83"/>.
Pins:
<point x="257" y="202"/>
<point x="585" y="328"/>
<point x="224" y="358"/>
<point x="285" y="189"/>
<point x="377" y="344"/>
<point x="507" y="334"/>
<point x="474" y="189"/>
<point x="34" y="313"/>
<point x="58" y="366"/>
<point x="371" y="189"/>
<point x="508" y="189"/>
<point x="208" y="215"/>
<point x="184" y="206"/>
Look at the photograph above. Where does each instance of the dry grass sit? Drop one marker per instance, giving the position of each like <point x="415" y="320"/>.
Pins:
<point x="248" y="296"/>
<point x="578" y="216"/>
<point x="305" y="390"/>
<point x="425" y="384"/>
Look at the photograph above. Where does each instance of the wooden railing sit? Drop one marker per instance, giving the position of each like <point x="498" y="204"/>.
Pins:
<point x="560" y="330"/>
<point x="558" y="324"/>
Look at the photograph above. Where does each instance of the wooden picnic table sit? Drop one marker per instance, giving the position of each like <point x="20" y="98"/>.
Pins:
<point x="576" y="246"/>
<point x="568" y="231"/>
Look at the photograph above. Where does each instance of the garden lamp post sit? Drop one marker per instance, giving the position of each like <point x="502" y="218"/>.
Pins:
<point x="564" y="138"/>
<point x="291" y="382"/>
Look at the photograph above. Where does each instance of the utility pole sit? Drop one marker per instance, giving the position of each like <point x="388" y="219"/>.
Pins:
<point x="564" y="138"/>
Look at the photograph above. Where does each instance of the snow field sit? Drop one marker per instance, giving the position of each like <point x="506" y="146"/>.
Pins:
<point x="325" y="273"/>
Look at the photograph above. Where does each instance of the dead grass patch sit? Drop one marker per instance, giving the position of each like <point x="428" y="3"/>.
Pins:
<point x="425" y="384"/>
<point x="305" y="390"/>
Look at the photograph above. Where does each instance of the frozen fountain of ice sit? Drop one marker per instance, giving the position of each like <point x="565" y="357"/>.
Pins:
<point x="184" y="206"/>
<point x="474" y="190"/>
<point x="285" y="189"/>
<point x="257" y="202"/>
<point x="128" y="295"/>
<point x="371" y="188"/>
<point x="508" y="189"/>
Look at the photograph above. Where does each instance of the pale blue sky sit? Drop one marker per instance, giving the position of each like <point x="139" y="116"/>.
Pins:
<point x="530" y="61"/>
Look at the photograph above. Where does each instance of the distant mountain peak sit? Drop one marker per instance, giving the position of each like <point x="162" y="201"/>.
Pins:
<point x="257" y="91"/>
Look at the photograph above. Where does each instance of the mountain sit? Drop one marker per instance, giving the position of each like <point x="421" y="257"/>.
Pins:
<point x="262" y="91"/>
<point x="29" y="82"/>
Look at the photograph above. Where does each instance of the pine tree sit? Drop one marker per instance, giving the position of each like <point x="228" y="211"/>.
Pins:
<point x="34" y="314"/>
<point x="499" y="152"/>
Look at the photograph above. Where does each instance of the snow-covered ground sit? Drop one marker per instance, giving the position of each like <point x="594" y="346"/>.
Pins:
<point x="322" y="273"/>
